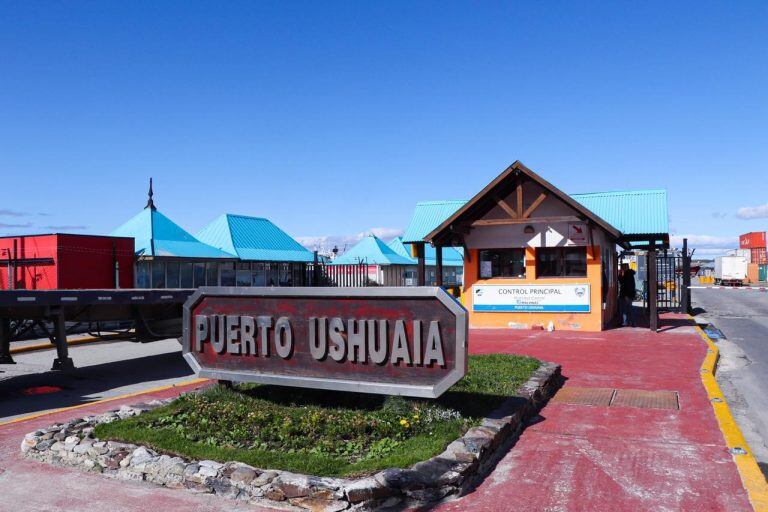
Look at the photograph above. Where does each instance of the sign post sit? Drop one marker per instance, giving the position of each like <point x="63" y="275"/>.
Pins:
<point x="394" y="340"/>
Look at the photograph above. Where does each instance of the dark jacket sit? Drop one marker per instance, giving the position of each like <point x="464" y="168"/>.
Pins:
<point x="627" y="284"/>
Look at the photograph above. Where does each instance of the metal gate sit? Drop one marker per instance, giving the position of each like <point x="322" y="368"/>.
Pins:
<point x="323" y="274"/>
<point x="673" y="278"/>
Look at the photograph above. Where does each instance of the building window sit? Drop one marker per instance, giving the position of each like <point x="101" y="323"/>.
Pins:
<point x="227" y="274"/>
<point x="212" y="269"/>
<point x="561" y="262"/>
<point x="143" y="274"/>
<point x="199" y="275"/>
<point x="186" y="275"/>
<point x="158" y="274"/>
<point x="502" y="263"/>
<point x="172" y="274"/>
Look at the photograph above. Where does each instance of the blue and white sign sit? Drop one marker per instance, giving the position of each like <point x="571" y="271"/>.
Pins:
<point x="531" y="298"/>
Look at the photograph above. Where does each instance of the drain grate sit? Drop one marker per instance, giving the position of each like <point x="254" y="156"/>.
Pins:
<point x="646" y="399"/>
<point x="583" y="396"/>
<point x="609" y="397"/>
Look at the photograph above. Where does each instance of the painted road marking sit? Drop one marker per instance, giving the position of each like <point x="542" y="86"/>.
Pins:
<point x="753" y="288"/>
<point x="751" y="476"/>
<point x="110" y="399"/>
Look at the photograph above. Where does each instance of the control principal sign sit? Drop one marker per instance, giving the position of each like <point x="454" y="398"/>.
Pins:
<point x="558" y="298"/>
<point x="400" y="341"/>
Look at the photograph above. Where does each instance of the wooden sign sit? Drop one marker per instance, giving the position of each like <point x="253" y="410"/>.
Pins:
<point x="389" y="340"/>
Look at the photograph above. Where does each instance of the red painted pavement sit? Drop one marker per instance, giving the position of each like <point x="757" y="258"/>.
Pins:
<point x="575" y="458"/>
<point x="613" y="458"/>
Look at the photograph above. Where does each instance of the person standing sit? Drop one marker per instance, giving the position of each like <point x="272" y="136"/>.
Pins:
<point x="627" y="291"/>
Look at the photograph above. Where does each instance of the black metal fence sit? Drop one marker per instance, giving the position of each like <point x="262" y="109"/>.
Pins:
<point x="673" y="278"/>
<point x="324" y="274"/>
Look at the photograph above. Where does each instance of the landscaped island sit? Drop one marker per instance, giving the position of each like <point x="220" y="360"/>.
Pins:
<point x="323" y="433"/>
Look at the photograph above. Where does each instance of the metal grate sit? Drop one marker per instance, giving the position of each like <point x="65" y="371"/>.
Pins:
<point x="609" y="397"/>
<point x="584" y="396"/>
<point x="646" y="399"/>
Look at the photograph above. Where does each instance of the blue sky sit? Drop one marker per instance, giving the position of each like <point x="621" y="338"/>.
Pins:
<point x="333" y="118"/>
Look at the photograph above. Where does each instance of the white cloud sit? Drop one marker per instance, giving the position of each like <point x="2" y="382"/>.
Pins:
<point x="753" y="212"/>
<point x="324" y="244"/>
<point x="706" y="245"/>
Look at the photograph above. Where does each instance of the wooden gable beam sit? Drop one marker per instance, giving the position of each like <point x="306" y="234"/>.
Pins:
<point x="505" y="206"/>
<point x="535" y="220"/>
<point x="519" y="198"/>
<point x="534" y="205"/>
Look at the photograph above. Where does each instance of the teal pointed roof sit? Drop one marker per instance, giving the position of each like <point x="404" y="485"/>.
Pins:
<point x="452" y="256"/>
<point x="253" y="239"/>
<point x="157" y="235"/>
<point x="427" y="216"/>
<point x="373" y="251"/>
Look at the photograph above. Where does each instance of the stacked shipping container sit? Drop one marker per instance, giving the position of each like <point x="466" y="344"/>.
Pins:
<point x="755" y="243"/>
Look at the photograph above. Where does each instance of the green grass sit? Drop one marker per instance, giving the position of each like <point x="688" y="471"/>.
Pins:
<point x="324" y="433"/>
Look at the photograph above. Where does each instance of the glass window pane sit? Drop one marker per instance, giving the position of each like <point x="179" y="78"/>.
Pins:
<point x="143" y="275"/>
<point x="158" y="274"/>
<point x="199" y="275"/>
<point x="271" y="270"/>
<point x="212" y="270"/>
<point x="502" y="263"/>
<point x="575" y="261"/>
<point x="243" y="278"/>
<point x="227" y="276"/>
<point x="259" y="275"/>
<point x="186" y="275"/>
<point x="172" y="274"/>
<point x="549" y="262"/>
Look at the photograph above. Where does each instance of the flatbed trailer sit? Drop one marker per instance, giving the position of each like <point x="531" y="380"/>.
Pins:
<point x="155" y="313"/>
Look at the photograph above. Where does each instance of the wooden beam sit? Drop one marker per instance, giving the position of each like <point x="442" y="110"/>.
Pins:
<point x="504" y="206"/>
<point x="519" y="198"/>
<point x="536" y="220"/>
<point x="535" y="205"/>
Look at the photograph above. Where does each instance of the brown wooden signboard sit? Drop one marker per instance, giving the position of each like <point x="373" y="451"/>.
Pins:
<point x="397" y="341"/>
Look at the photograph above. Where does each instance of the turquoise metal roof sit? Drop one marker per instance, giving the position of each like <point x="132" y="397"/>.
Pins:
<point x="452" y="256"/>
<point x="254" y="239"/>
<point x="428" y="216"/>
<point x="157" y="235"/>
<point x="374" y="251"/>
<point x="633" y="212"/>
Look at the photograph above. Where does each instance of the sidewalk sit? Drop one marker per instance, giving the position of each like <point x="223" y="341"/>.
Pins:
<point x="578" y="457"/>
<point x="582" y="457"/>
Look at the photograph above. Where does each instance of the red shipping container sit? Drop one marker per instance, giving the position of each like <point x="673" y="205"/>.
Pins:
<point x="753" y="240"/>
<point x="758" y="256"/>
<point x="65" y="261"/>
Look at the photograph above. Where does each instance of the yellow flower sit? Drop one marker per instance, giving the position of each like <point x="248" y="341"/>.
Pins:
<point x="403" y="422"/>
<point x="416" y="417"/>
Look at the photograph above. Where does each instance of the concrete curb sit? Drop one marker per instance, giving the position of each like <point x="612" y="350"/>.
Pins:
<point x="751" y="476"/>
<point x="70" y="343"/>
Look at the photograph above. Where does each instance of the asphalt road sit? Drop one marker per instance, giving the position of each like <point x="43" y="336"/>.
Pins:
<point x="103" y="370"/>
<point x="742" y="316"/>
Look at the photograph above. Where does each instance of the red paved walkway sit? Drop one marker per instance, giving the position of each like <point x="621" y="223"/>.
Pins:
<point x="614" y="458"/>
<point x="576" y="458"/>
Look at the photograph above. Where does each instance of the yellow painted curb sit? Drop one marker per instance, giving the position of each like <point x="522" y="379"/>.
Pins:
<point x="110" y="399"/>
<point x="70" y="343"/>
<point x="751" y="476"/>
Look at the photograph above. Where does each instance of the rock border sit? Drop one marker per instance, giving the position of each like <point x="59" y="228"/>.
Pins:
<point x="450" y="474"/>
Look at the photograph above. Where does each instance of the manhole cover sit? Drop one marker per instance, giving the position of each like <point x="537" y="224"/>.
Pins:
<point x="583" y="396"/>
<point x="646" y="399"/>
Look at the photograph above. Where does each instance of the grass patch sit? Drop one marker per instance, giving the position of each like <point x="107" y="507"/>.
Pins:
<point x="324" y="433"/>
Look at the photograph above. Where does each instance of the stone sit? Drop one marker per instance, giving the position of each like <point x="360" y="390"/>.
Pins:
<point x="365" y="489"/>
<point x="57" y="446"/>
<point x="70" y="442"/>
<point x="292" y="485"/>
<point x="264" y="478"/>
<point x="44" y="445"/>
<point x="28" y="443"/>
<point x="206" y="471"/>
<point x="274" y="494"/>
<point x="478" y="440"/>
<point x="243" y="475"/>
<point x="130" y="474"/>
<point x="141" y="456"/>
<point x="320" y="505"/>
<point x="46" y="436"/>
<point x="399" y="478"/>
<point x="191" y="469"/>
<point x="94" y="451"/>
<point x="199" y="487"/>
<point x="83" y="447"/>
<point x="211" y="464"/>
<point x="107" y="417"/>
<point x="224" y="488"/>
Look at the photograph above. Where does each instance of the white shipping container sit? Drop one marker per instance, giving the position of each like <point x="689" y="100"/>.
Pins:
<point x="745" y="253"/>
<point x="730" y="268"/>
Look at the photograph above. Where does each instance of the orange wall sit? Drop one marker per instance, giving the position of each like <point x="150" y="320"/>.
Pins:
<point x="592" y="321"/>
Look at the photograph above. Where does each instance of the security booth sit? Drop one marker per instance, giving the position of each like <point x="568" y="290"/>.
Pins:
<point x="536" y="257"/>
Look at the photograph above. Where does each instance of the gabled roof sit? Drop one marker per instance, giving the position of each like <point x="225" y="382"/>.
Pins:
<point x="517" y="171"/>
<point x="157" y="235"/>
<point x="373" y="251"/>
<point x="452" y="256"/>
<point x="253" y="238"/>
<point x="633" y="212"/>
<point x="429" y="215"/>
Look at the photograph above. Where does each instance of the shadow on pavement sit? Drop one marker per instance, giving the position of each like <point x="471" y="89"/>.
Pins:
<point x="31" y="393"/>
